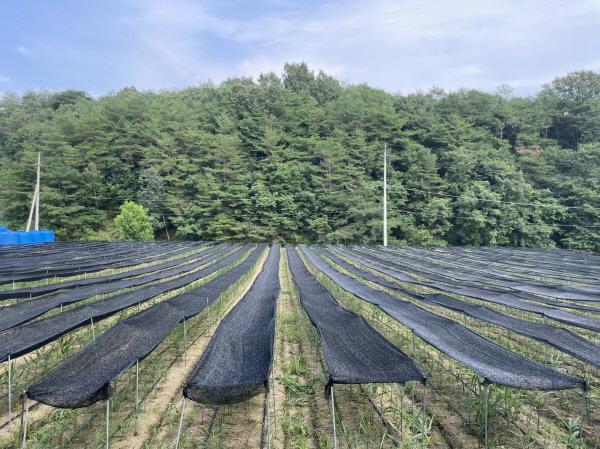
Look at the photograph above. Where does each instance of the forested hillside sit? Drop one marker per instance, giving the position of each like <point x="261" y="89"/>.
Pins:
<point x="299" y="158"/>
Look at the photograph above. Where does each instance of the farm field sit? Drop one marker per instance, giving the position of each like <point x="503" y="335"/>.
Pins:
<point x="217" y="345"/>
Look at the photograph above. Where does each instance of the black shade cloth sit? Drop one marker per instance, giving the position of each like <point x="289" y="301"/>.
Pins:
<point x="484" y="283"/>
<point x="490" y="360"/>
<point x="508" y="283"/>
<point x="84" y="378"/>
<point x="354" y="352"/>
<point x="28" y="337"/>
<point x="19" y="313"/>
<point x="562" y="339"/>
<point x="237" y="361"/>
<point x="145" y="252"/>
<point x="573" y="319"/>
<point x="28" y="292"/>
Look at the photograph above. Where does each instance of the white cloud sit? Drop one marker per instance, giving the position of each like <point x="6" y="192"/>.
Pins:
<point x="22" y="50"/>
<point x="5" y="79"/>
<point x="394" y="44"/>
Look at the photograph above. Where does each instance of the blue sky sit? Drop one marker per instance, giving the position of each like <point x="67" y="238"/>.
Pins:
<point x="403" y="45"/>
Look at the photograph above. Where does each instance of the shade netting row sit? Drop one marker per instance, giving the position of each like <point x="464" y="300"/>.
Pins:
<point x="76" y="283"/>
<point x="562" y="339"/>
<point x="531" y="262"/>
<point x="509" y="282"/>
<point x="389" y="268"/>
<point x="22" y="312"/>
<point x="100" y="262"/>
<point x="84" y="378"/>
<point x="28" y="337"/>
<point x="353" y="351"/>
<point x="481" y="283"/>
<point x="236" y="364"/>
<point x="488" y="359"/>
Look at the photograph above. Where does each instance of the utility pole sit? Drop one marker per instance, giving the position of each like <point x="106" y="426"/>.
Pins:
<point x="37" y="196"/>
<point x="35" y="201"/>
<point x="385" y="194"/>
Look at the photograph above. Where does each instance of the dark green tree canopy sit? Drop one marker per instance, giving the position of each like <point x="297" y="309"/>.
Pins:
<point x="299" y="158"/>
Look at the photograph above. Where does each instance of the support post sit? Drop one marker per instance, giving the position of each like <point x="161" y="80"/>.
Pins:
<point x="486" y="392"/>
<point x="9" y="394"/>
<point x="273" y="395"/>
<point x="268" y="399"/>
<point x="333" y="419"/>
<point x="107" y="423"/>
<point x="137" y="395"/>
<point x="385" y="194"/>
<point x="184" y="344"/>
<point x="424" y="417"/>
<point x="180" y="423"/>
<point x="24" y="417"/>
<point x="584" y="406"/>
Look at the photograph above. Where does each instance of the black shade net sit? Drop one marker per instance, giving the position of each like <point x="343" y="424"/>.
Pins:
<point x="476" y="284"/>
<point x="19" y="313"/>
<point x="84" y="378"/>
<point x="29" y="292"/>
<point x="508" y="300"/>
<point x="28" y="337"/>
<point x="237" y="361"/>
<point x="488" y="359"/>
<point x="562" y="339"/>
<point x="101" y="261"/>
<point x="353" y="351"/>
<point x="508" y="283"/>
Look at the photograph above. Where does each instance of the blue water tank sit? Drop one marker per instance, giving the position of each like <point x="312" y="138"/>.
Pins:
<point x="24" y="237"/>
<point x="47" y="235"/>
<point x="8" y="238"/>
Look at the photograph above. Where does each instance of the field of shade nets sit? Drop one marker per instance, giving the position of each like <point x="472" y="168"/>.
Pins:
<point x="217" y="345"/>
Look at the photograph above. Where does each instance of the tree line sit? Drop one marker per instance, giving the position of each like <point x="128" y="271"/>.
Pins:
<point x="298" y="157"/>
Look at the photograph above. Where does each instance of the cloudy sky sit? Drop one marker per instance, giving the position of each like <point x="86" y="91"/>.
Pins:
<point x="399" y="45"/>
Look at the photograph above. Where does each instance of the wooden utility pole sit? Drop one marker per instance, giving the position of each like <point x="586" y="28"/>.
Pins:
<point x="37" y="196"/>
<point x="35" y="201"/>
<point x="385" y="194"/>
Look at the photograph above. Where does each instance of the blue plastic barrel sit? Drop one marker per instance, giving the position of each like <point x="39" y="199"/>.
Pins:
<point x="8" y="238"/>
<point x="47" y="235"/>
<point x="24" y="237"/>
<point x="51" y="236"/>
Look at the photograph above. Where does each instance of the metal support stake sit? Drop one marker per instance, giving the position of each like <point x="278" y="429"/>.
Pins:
<point x="273" y="389"/>
<point x="486" y="392"/>
<point x="107" y="422"/>
<point x="137" y="395"/>
<point x="24" y="417"/>
<point x="180" y="423"/>
<point x="9" y="394"/>
<point x="401" y="391"/>
<point x="584" y="404"/>
<point x="333" y="418"/>
<point x="423" y="432"/>
<point x="268" y="398"/>
<point x="184" y="343"/>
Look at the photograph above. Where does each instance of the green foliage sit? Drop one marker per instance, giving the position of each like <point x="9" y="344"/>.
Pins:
<point x="299" y="158"/>
<point x="133" y="222"/>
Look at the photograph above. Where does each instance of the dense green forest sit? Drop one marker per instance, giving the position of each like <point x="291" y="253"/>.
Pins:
<point x="298" y="157"/>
